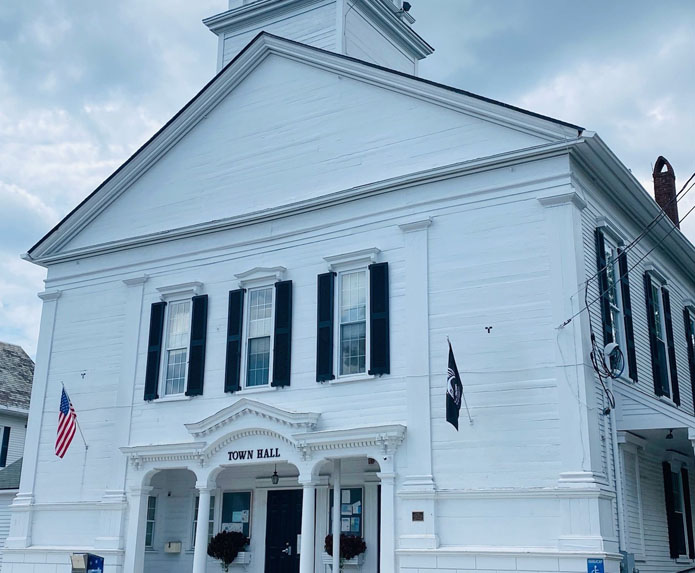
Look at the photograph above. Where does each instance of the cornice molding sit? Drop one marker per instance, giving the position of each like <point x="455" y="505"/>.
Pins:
<point x="182" y="290"/>
<point x="561" y="199"/>
<point x="135" y="281"/>
<point x="47" y="296"/>
<point x="414" y="226"/>
<point x="362" y="257"/>
<point x="261" y="275"/>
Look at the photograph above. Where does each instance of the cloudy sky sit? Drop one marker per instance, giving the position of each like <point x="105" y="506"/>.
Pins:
<point x="83" y="83"/>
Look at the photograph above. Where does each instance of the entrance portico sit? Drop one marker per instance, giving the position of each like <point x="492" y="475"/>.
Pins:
<point x="230" y="475"/>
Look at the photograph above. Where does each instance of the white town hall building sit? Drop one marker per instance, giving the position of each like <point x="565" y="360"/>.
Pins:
<point x="251" y="317"/>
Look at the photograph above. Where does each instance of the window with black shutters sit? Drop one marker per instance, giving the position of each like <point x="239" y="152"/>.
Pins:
<point x="678" y="510"/>
<point x="353" y="321"/>
<point x="259" y="336"/>
<point x="5" y="446"/>
<point x="661" y="339"/>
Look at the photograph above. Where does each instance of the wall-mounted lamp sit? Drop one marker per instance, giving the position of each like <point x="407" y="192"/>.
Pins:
<point x="669" y="436"/>
<point x="275" y="478"/>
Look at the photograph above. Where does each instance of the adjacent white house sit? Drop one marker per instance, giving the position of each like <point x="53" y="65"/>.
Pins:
<point x="251" y="319"/>
<point x="16" y="374"/>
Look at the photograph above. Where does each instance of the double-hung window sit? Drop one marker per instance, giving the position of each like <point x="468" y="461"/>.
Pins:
<point x="259" y="336"/>
<point x="211" y="519"/>
<point x="689" y="324"/>
<point x="259" y="331"/>
<point x="5" y="446"/>
<point x="353" y="317"/>
<point x="352" y="328"/>
<point x="614" y="295"/>
<point x="178" y="334"/>
<point x="661" y="337"/>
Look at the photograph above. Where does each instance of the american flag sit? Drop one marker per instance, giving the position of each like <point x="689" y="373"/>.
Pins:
<point x="67" y="424"/>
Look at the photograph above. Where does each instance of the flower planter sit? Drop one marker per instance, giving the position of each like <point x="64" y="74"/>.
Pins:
<point x="354" y="564"/>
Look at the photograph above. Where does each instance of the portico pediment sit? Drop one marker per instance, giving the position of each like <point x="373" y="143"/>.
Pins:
<point x="233" y="417"/>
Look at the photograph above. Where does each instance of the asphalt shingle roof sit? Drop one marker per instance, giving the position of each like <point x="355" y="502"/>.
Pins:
<point x="16" y="376"/>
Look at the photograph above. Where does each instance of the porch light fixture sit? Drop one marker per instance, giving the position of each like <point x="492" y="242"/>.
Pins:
<point x="275" y="478"/>
<point x="669" y="436"/>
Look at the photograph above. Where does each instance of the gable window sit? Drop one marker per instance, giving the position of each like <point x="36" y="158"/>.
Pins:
<point x="211" y="519"/>
<point x="176" y="344"/>
<point x="353" y="322"/>
<point x="177" y="338"/>
<point x="149" y="527"/>
<point x="661" y="337"/>
<point x="259" y="336"/>
<point x="353" y="317"/>
<point x="678" y="510"/>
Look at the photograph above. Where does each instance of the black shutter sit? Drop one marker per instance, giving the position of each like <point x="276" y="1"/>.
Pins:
<point x="196" y="359"/>
<point x="235" y="315"/>
<point x="627" y="314"/>
<point x="324" y="327"/>
<point x="658" y="352"/>
<point x="154" y="350"/>
<point x="282" y="351"/>
<point x="688" y="512"/>
<point x="671" y="517"/>
<point x="5" y="446"/>
<point x="671" y="347"/>
<point x="380" y="359"/>
<point x="691" y="351"/>
<point x="606" y="317"/>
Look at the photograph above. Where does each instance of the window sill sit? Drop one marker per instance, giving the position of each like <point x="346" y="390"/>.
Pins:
<point x="255" y="390"/>
<point x="668" y="401"/>
<point x="174" y="398"/>
<point x="684" y="559"/>
<point x="352" y="378"/>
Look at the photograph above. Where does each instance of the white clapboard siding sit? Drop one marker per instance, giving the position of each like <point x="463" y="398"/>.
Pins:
<point x="309" y="125"/>
<point x="6" y="498"/>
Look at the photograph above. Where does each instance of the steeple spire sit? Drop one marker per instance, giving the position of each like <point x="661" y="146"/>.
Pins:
<point x="377" y="31"/>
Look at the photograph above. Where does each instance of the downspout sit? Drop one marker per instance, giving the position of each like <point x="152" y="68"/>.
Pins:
<point x="618" y="476"/>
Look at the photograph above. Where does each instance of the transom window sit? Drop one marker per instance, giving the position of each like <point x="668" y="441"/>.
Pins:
<point x="178" y="332"/>
<point x="352" y="306"/>
<point x="259" y="336"/>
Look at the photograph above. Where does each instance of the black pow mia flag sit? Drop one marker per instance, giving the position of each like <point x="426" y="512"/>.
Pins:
<point x="454" y="391"/>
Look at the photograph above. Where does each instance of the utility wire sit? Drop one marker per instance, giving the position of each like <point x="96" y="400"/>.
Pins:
<point x="648" y="228"/>
<point x="588" y="304"/>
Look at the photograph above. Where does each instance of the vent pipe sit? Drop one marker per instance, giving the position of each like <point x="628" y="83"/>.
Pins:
<point x="665" y="189"/>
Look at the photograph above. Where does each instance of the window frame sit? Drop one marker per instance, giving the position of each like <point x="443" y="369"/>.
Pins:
<point x="337" y="347"/>
<point x="658" y="284"/>
<point x="165" y="348"/>
<point x="618" y="309"/>
<point x="244" y="374"/>
<point x="361" y="515"/>
<point x="153" y="521"/>
<point x="212" y="523"/>
<point x="4" y="452"/>
<point x="251" y="493"/>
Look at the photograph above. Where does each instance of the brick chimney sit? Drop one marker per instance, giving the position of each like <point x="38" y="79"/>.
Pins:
<point x="665" y="189"/>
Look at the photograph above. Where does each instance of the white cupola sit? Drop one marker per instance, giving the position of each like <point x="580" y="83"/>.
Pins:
<point x="376" y="31"/>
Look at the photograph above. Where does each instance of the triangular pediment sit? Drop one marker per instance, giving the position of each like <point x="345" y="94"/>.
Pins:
<point x="283" y="128"/>
<point x="231" y="417"/>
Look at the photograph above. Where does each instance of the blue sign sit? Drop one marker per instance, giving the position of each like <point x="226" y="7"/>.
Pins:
<point x="594" y="566"/>
<point x="95" y="564"/>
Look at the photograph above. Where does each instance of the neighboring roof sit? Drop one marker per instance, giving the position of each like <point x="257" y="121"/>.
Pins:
<point x="212" y="84"/>
<point x="9" y="476"/>
<point x="16" y="376"/>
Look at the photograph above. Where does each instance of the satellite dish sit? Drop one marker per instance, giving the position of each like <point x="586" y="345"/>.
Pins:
<point x="613" y="359"/>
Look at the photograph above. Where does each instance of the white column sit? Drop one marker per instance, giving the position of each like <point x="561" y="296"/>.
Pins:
<point x="134" y="560"/>
<point x="387" y="558"/>
<point x="200" y="551"/>
<point x="306" y="557"/>
<point x="20" y="529"/>
<point x="336" y="516"/>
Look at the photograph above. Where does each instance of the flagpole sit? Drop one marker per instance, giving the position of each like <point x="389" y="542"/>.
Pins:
<point x="86" y="447"/>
